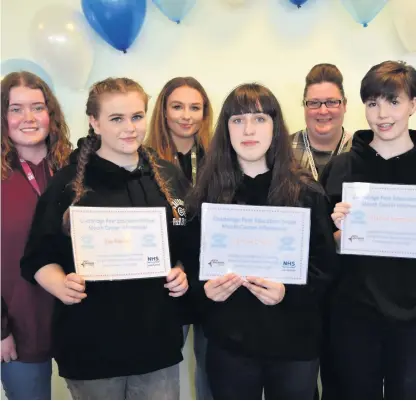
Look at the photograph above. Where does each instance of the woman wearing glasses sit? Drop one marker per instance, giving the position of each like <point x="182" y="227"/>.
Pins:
<point x="325" y="105"/>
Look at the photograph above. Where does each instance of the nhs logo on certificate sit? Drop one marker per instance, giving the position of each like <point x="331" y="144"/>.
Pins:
<point x="262" y="241"/>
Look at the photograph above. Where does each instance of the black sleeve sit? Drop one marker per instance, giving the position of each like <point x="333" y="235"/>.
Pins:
<point x="5" y="326"/>
<point x="196" y="293"/>
<point x="46" y="237"/>
<point x="332" y="178"/>
<point x="187" y="246"/>
<point x="179" y="187"/>
<point x="323" y="259"/>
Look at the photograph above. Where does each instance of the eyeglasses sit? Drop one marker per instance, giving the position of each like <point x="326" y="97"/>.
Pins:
<point x="316" y="104"/>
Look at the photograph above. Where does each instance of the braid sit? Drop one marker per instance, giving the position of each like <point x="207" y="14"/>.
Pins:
<point x="163" y="185"/>
<point x="88" y="147"/>
<point x="92" y="143"/>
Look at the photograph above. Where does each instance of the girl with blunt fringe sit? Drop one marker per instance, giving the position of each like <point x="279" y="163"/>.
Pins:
<point x="262" y="335"/>
<point x="372" y="347"/>
<point x="113" y="339"/>
<point x="34" y="145"/>
<point x="180" y="131"/>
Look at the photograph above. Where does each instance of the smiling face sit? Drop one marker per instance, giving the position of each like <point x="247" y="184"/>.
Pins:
<point x="389" y="119"/>
<point x="324" y="122"/>
<point x="27" y="117"/>
<point x="121" y="124"/>
<point x="184" y="112"/>
<point x="251" y="136"/>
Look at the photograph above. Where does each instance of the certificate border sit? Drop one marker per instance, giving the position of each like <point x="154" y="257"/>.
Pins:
<point x="348" y="186"/>
<point x="161" y="211"/>
<point x="265" y="209"/>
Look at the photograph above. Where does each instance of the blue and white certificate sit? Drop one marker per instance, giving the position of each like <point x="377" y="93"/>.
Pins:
<point x="119" y="243"/>
<point x="261" y="241"/>
<point x="382" y="220"/>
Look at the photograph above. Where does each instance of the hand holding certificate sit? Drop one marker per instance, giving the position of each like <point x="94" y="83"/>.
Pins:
<point x="258" y="241"/>
<point x="382" y="220"/>
<point x="119" y="243"/>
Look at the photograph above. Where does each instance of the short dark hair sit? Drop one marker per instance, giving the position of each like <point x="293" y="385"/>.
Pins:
<point x="324" y="73"/>
<point x="387" y="80"/>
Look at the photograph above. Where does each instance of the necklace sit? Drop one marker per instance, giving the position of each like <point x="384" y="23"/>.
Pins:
<point x="312" y="164"/>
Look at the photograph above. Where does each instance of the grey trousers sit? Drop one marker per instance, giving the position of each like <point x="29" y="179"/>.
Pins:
<point x="162" y="384"/>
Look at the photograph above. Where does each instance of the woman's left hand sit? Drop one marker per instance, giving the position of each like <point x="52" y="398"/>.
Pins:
<point x="177" y="283"/>
<point x="268" y="292"/>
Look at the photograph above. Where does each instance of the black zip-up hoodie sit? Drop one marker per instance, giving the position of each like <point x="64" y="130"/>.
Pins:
<point x="291" y="329"/>
<point x="372" y="286"/>
<point x="125" y="327"/>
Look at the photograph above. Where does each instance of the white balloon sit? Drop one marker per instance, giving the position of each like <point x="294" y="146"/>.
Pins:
<point x="404" y="16"/>
<point x="59" y="43"/>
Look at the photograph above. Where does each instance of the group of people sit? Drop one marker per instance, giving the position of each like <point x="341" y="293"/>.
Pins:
<point x="354" y="320"/>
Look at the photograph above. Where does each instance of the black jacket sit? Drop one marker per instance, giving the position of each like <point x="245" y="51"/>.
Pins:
<point x="372" y="286"/>
<point x="125" y="327"/>
<point x="185" y="162"/>
<point x="291" y="329"/>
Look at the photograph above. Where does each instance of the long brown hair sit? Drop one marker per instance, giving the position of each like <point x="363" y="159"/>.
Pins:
<point x="58" y="144"/>
<point x="159" y="137"/>
<point x="92" y="142"/>
<point x="221" y="174"/>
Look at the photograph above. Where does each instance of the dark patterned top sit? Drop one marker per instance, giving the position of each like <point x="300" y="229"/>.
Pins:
<point x="321" y="157"/>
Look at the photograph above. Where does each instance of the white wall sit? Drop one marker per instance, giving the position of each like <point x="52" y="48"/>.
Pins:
<point x="268" y="41"/>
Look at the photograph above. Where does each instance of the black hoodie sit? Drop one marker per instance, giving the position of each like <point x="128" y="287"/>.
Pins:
<point x="292" y="328"/>
<point x="372" y="286"/>
<point x="125" y="327"/>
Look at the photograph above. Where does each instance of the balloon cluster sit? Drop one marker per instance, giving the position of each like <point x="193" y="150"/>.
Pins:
<point x="61" y="45"/>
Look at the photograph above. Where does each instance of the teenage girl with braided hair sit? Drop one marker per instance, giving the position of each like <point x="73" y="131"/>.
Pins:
<point x="113" y="339"/>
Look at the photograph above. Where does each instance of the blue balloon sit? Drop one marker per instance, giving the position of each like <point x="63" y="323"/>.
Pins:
<point x="364" y="11"/>
<point x="118" y="22"/>
<point x="175" y="10"/>
<point x="17" y="64"/>
<point x="298" y="3"/>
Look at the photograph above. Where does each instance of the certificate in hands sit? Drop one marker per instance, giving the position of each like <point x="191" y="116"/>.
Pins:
<point x="119" y="243"/>
<point x="261" y="241"/>
<point x="382" y="221"/>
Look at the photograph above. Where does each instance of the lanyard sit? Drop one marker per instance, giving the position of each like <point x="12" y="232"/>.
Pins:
<point x="30" y="176"/>
<point x="193" y="164"/>
<point x="312" y="164"/>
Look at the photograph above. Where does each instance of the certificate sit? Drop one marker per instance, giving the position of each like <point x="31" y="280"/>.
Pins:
<point x="119" y="243"/>
<point x="261" y="241"/>
<point x="382" y="221"/>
